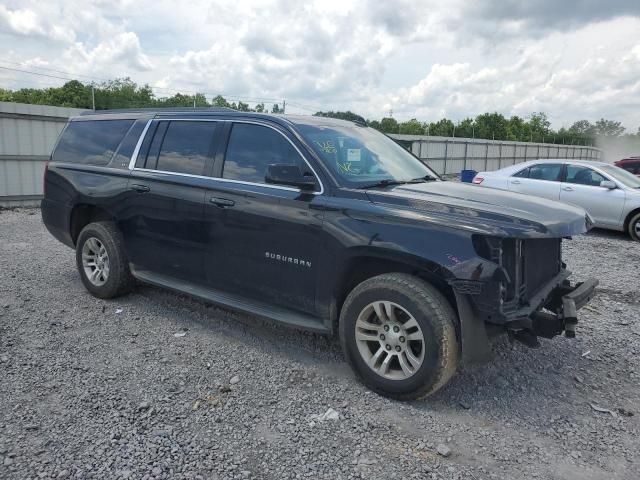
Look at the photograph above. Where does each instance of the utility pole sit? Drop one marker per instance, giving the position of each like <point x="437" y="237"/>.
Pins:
<point x="93" y="98"/>
<point x="194" y="102"/>
<point x="454" y="130"/>
<point x="284" y="106"/>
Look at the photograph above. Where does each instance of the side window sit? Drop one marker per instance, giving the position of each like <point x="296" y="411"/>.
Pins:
<point x="252" y="148"/>
<point x="583" y="176"/>
<point x="90" y="142"/>
<point x="128" y="145"/>
<point x="523" y="173"/>
<point x="185" y="147"/>
<point x="545" y="171"/>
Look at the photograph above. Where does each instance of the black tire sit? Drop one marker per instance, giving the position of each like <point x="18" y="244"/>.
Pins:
<point x="436" y="319"/>
<point x="119" y="280"/>
<point x="634" y="227"/>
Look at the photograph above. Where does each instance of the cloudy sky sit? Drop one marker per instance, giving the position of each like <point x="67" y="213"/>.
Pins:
<point x="420" y="58"/>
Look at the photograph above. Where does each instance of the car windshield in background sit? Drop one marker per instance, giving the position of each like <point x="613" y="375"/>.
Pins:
<point x="362" y="156"/>
<point x="621" y="175"/>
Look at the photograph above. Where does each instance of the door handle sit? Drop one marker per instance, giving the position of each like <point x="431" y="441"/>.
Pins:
<point x="222" y="202"/>
<point x="567" y="189"/>
<point x="140" y="188"/>
<point x="515" y="182"/>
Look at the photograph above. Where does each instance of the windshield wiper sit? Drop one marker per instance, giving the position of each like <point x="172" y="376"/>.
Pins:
<point x="426" y="178"/>
<point x="383" y="183"/>
<point x="389" y="182"/>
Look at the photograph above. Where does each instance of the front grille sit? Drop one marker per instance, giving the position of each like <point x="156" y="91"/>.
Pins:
<point x="542" y="262"/>
<point x="529" y="265"/>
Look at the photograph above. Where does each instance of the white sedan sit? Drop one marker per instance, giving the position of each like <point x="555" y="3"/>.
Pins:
<point x="610" y="194"/>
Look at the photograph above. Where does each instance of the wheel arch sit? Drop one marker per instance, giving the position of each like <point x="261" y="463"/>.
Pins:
<point x="82" y="215"/>
<point x="362" y="265"/>
<point x="628" y="218"/>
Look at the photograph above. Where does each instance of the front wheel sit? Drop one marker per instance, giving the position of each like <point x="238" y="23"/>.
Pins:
<point x="101" y="261"/>
<point x="634" y="227"/>
<point x="398" y="334"/>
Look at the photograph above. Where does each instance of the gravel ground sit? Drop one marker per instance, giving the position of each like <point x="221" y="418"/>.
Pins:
<point x="156" y="385"/>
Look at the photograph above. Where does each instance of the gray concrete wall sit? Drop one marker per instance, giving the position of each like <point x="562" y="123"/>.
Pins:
<point x="27" y="136"/>
<point x="448" y="155"/>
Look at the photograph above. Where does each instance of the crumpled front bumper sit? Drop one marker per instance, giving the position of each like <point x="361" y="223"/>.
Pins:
<point x="550" y="312"/>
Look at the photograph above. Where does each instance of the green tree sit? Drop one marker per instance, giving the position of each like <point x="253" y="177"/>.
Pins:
<point x="465" y="128"/>
<point x="441" y="128"/>
<point x="582" y="127"/>
<point x="609" y="128"/>
<point x="259" y="108"/>
<point x="539" y="124"/>
<point x="491" y="125"/>
<point x="389" y="125"/>
<point x="411" y="127"/>
<point x="276" y="108"/>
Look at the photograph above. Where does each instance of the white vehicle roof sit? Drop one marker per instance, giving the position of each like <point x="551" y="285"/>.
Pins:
<point x="521" y="166"/>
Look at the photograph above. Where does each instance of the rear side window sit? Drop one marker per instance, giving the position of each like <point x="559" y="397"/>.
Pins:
<point x="90" y="142"/>
<point x="184" y="147"/>
<point x="252" y="148"/>
<point x="545" y="171"/>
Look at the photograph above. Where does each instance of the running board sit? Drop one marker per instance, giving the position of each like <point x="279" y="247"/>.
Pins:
<point x="237" y="302"/>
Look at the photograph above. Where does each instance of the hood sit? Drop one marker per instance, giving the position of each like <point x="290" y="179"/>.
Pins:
<point x="486" y="210"/>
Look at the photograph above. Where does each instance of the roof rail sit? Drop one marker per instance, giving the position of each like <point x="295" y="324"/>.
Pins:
<point x="160" y="110"/>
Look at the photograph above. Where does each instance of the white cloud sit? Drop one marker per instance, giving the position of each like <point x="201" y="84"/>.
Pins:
<point x="25" y="22"/>
<point x="425" y="59"/>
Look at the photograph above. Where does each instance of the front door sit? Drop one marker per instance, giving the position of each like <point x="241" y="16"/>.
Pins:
<point x="264" y="240"/>
<point x="581" y="187"/>
<point x="164" y="230"/>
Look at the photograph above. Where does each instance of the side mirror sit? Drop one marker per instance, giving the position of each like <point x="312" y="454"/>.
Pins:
<point x="291" y="175"/>
<point x="608" y="184"/>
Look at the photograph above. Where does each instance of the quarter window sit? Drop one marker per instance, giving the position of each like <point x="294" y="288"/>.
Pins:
<point x="545" y="171"/>
<point x="583" y="176"/>
<point x="185" y="147"/>
<point x="252" y="148"/>
<point x="90" y="142"/>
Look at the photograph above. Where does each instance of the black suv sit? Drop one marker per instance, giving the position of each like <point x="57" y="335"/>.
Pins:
<point x="321" y="224"/>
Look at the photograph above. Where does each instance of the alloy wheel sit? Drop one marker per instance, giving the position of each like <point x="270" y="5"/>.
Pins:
<point x="390" y="340"/>
<point x="95" y="261"/>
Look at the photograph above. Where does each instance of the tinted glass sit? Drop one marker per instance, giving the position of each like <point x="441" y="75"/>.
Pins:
<point x="156" y="139"/>
<point x="186" y="147"/>
<point x="362" y="155"/>
<point x="128" y="145"/>
<point x="91" y="142"/>
<point x="583" y="176"/>
<point x="523" y="173"/>
<point x="545" y="171"/>
<point x="252" y="148"/>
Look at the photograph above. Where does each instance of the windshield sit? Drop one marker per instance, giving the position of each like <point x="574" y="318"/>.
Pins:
<point x="359" y="156"/>
<point x="622" y="176"/>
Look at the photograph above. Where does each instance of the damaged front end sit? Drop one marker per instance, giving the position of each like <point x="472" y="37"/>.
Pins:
<point x="517" y="286"/>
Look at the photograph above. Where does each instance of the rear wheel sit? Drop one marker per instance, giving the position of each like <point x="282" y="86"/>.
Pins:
<point x="101" y="261"/>
<point x="398" y="334"/>
<point x="634" y="227"/>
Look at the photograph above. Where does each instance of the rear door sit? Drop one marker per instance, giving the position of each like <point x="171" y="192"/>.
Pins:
<point x="164" y="228"/>
<point x="264" y="240"/>
<point x="581" y="187"/>
<point x="541" y="180"/>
